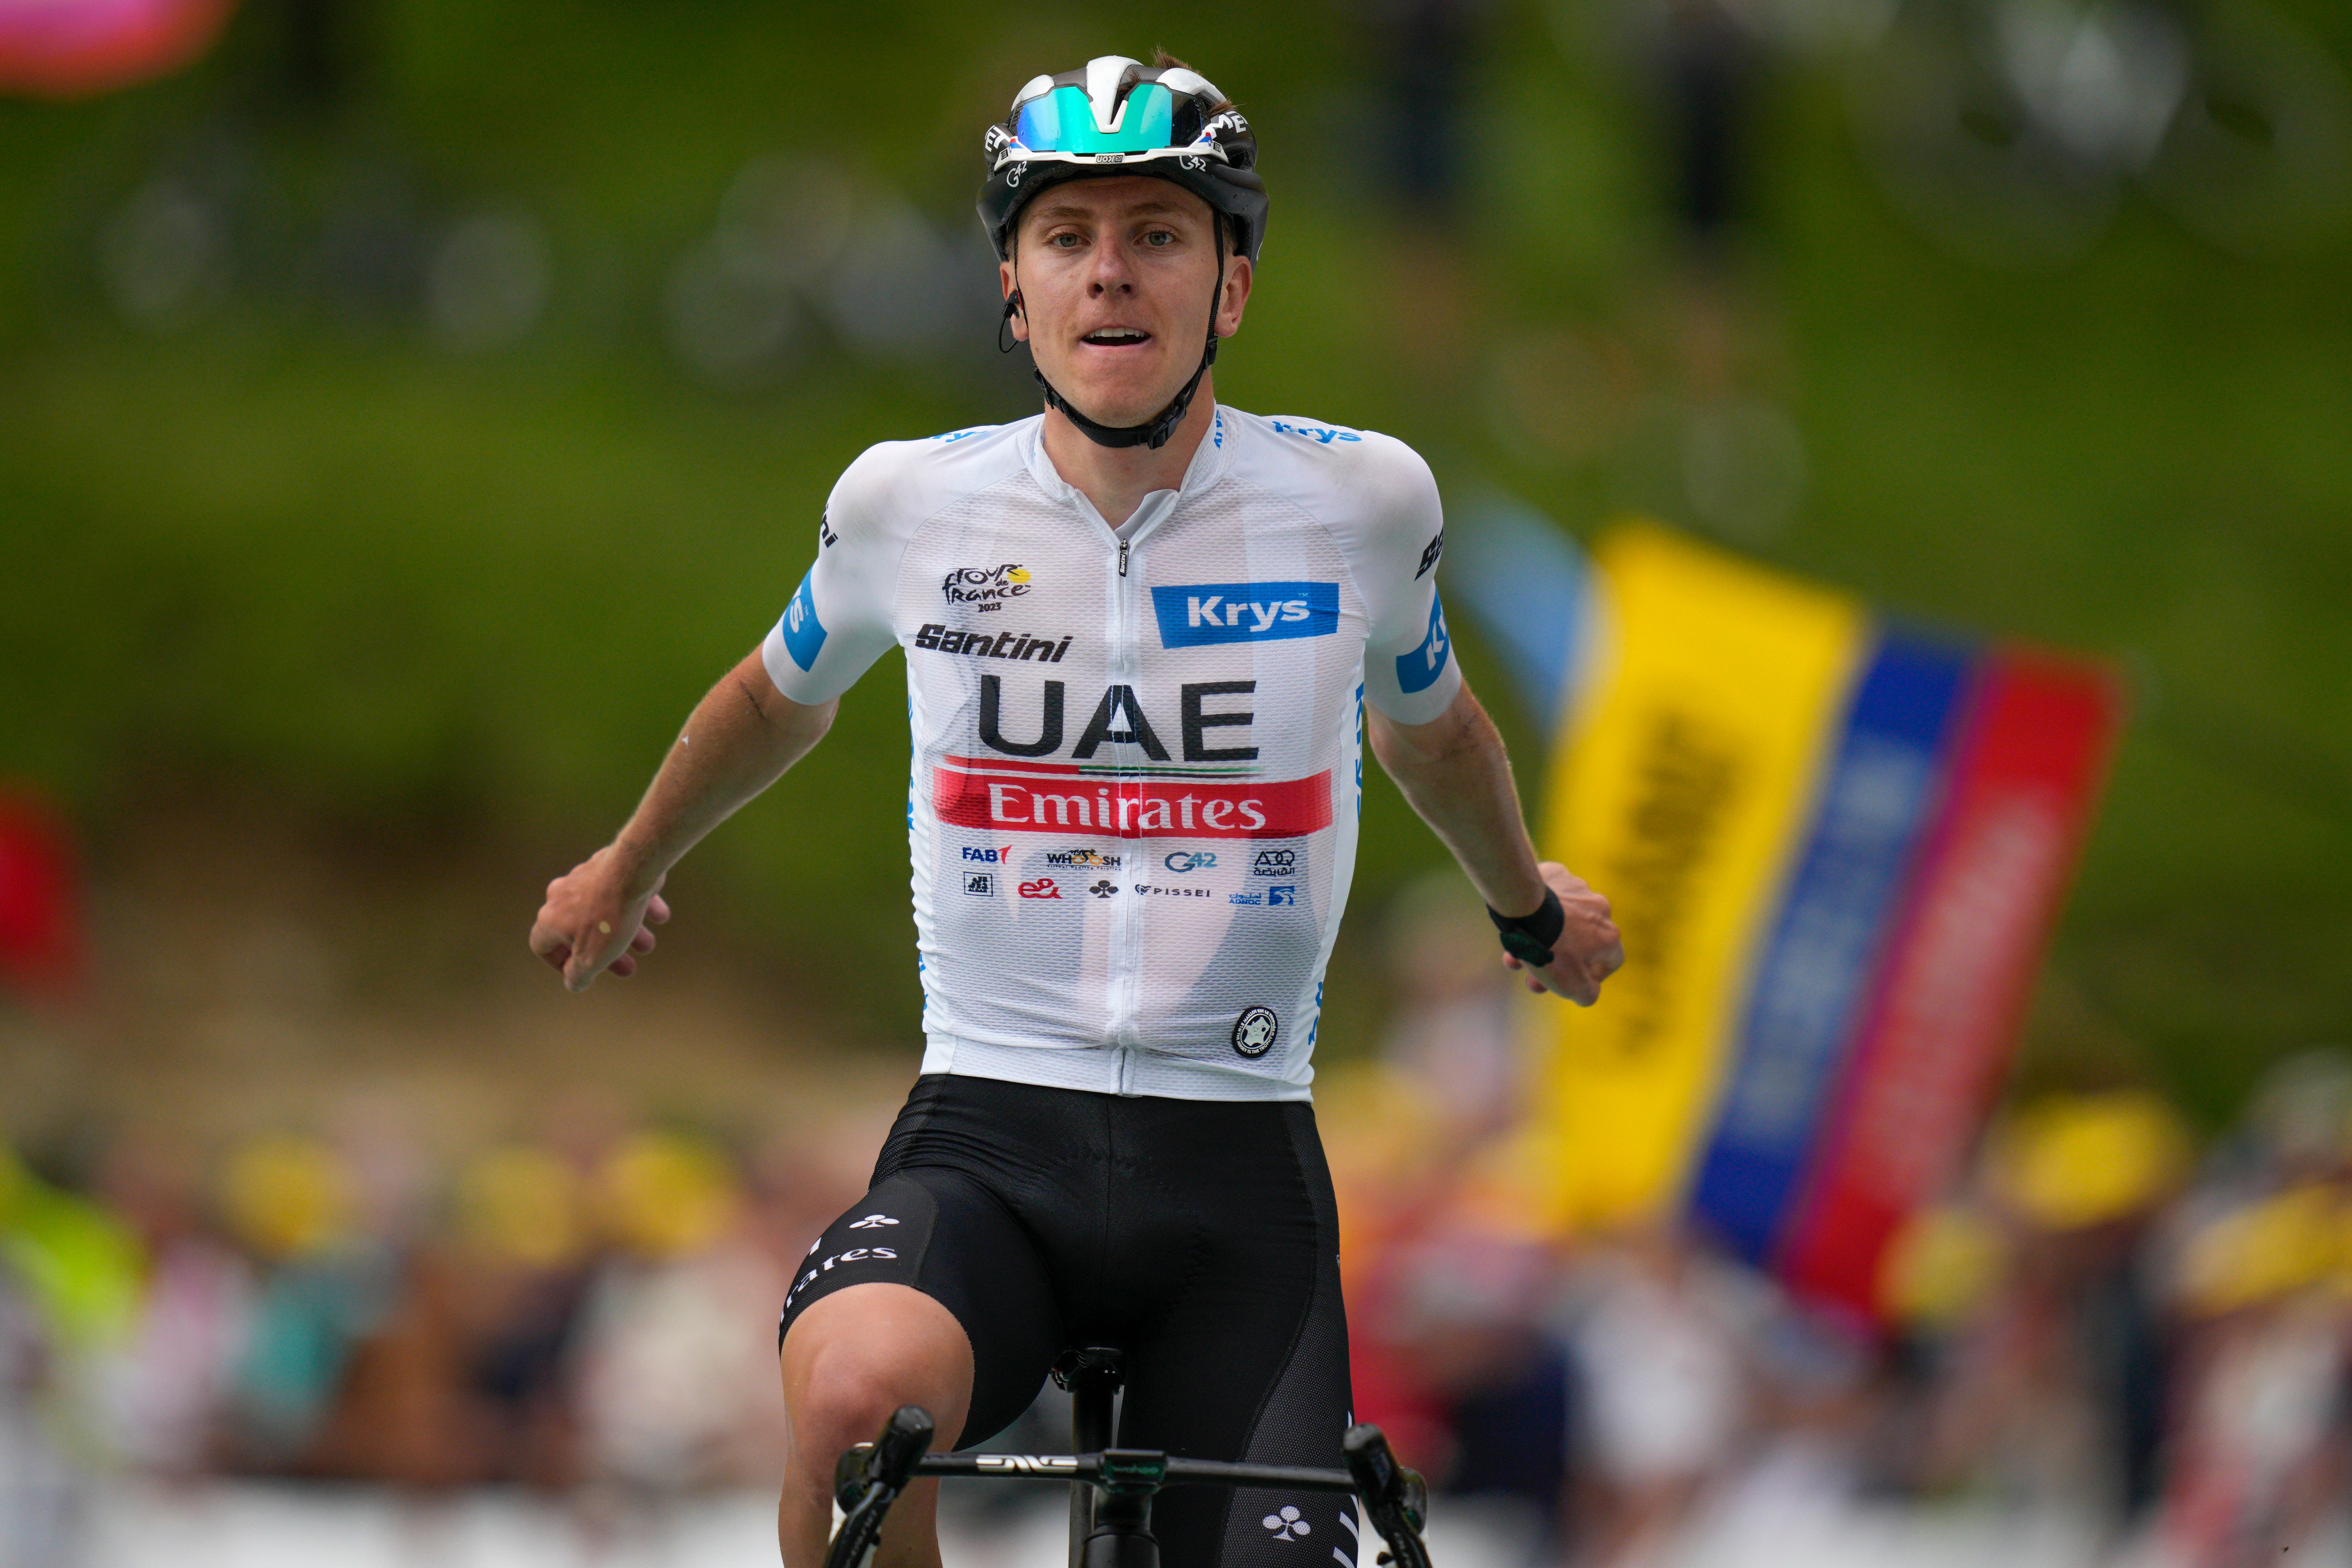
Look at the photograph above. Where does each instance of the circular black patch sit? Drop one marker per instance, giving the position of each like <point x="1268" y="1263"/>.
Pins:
<point x="1255" y="1031"/>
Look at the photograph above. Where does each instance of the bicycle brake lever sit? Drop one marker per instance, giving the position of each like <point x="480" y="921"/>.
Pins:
<point x="1397" y="1497"/>
<point x="890" y="1458"/>
<point x="869" y="1478"/>
<point x="903" y="1442"/>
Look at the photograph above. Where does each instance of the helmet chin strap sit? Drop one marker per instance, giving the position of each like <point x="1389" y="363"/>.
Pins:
<point x="1155" y="432"/>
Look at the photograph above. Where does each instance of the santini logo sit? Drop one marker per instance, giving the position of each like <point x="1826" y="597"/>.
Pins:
<point x="1195" y="615"/>
<point x="982" y="645"/>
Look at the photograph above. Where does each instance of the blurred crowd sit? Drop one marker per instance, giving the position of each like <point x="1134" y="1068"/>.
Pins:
<point x="591" y="1307"/>
<point x="2105" y="1324"/>
<point x="2103" y="1321"/>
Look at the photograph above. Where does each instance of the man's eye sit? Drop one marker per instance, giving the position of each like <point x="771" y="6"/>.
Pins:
<point x="1158" y="237"/>
<point x="1063" y="240"/>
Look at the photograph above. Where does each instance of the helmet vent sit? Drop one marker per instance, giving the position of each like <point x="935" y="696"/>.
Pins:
<point x="1108" y="78"/>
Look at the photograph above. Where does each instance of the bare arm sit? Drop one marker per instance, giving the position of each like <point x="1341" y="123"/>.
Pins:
<point x="1455" y="773"/>
<point x="739" y="739"/>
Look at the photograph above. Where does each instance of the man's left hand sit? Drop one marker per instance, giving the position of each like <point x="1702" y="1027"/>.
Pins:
<point x="1589" y="949"/>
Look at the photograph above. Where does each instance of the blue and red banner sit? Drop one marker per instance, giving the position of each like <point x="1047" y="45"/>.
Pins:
<point x="1836" y="845"/>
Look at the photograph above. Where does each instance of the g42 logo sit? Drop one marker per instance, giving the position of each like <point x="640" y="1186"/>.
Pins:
<point x="1190" y="860"/>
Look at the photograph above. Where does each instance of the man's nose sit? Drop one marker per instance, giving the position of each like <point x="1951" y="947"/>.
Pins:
<point x="1112" y="272"/>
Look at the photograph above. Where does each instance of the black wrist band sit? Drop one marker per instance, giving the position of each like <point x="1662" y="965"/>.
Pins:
<point x="1530" y="938"/>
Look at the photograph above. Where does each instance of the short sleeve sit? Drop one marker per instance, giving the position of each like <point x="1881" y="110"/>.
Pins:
<point x="838" y="621"/>
<point x="1409" y="672"/>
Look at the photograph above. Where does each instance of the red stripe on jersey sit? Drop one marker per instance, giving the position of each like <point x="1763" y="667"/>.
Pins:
<point x="1134" y="808"/>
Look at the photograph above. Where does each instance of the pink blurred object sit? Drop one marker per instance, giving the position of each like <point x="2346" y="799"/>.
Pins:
<point x="73" y="49"/>
<point x="41" y="947"/>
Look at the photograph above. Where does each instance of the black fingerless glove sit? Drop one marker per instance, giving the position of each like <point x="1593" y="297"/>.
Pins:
<point x="1530" y="938"/>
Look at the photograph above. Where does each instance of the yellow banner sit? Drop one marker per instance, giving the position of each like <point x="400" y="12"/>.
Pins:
<point x="1681" y="789"/>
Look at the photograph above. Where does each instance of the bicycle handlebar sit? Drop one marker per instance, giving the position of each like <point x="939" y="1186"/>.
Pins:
<point x="869" y="1478"/>
<point x="1128" y="1467"/>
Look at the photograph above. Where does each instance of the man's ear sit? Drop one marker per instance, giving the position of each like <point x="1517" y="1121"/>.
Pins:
<point x="1235" y="297"/>
<point x="1008" y="289"/>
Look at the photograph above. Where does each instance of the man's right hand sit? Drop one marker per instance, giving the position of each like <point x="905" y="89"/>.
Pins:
<point x="591" y="922"/>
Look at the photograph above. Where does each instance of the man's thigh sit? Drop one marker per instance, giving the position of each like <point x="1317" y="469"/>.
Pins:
<point x="942" y="1233"/>
<point x="1251" y="1365"/>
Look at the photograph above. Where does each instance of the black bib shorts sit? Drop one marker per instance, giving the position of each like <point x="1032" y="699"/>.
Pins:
<point x="1199" y="1236"/>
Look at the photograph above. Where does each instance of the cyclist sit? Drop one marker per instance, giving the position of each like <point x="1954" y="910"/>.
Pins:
<point x="1145" y="635"/>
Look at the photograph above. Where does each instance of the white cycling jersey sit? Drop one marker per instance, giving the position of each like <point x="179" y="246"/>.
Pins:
<point x="1137" y="754"/>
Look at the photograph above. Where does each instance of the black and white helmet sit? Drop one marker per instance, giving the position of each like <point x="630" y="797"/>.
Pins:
<point x="1118" y="116"/>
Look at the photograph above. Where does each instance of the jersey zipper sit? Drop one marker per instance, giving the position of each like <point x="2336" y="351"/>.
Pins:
<point x="1126" y="917"/>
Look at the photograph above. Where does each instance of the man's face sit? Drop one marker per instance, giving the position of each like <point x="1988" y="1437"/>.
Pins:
<point x="1116" y="277"/>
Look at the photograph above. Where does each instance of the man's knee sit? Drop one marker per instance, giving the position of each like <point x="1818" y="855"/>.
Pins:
<point x="854" y="1356"/>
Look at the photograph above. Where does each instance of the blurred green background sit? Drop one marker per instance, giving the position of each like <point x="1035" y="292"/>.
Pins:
<point x="409" y="410"/>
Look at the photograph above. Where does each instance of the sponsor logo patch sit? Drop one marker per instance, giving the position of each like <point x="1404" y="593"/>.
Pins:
<point x="941" y="638"/>
<point x="995" y="795"/>
<point x="989" y="857"/>
<point x="1199" y="614"/>
<point x="1419" y="671"/>
<point x="1043" y="887"/>
<point x="1255" y="1031"/>
<point x="1188" y="860"/>
<point x="1028" y="1464"/>
<point x="983" y="883"/>
<point x="1287" y="1524"/>
<point x="1322" y="435"/>
<point x="1094" y="858"/>
<point x="1156" y="889"/>
<point x="853" y="1255"/>
<point x="1275" y="863"/>
<point x="1431" y="551"/>
<point x="985" y="587"/>
<point x="803" y="633"/>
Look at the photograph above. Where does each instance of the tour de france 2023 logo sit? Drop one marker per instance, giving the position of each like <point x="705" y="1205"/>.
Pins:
<point x="985" y="587"/>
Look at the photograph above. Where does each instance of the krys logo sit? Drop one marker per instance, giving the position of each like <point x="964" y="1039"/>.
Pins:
<point x="1198" y="613"/>
<point x="1419" y="671"/>
<point x="985" y="587"/>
